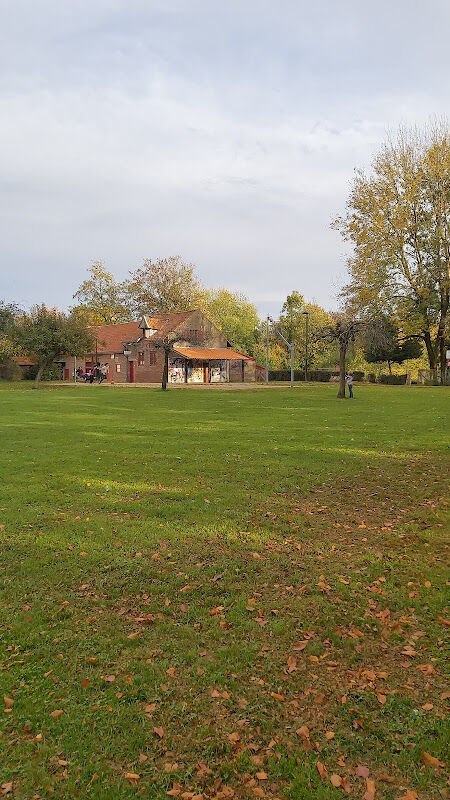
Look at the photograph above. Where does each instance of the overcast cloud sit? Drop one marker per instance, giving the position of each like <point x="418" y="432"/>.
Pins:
<point x="224" y="132"/>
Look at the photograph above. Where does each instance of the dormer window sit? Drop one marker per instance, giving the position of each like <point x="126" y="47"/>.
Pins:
<point x="145" y="327"/>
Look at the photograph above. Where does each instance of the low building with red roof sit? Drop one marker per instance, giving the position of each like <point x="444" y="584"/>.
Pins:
<point x="132" y="352"/>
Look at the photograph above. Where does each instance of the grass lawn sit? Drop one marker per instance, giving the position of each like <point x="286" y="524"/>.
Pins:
<point x="223" y="594"/>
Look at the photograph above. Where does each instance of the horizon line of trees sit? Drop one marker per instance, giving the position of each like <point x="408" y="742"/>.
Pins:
<point x="396" y="303"/>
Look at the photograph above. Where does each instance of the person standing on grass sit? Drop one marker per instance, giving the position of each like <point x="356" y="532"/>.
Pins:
<point x="349" y="379"/>
<point x="103" y="374"/>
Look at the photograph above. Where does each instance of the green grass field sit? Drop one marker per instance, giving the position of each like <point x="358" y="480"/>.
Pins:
<point x="225" y="594"/>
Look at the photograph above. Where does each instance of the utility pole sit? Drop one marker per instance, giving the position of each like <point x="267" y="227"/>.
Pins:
<point x="267" y="349"/>
<point x="292" y="349"/>
<point x="75" y="369"/>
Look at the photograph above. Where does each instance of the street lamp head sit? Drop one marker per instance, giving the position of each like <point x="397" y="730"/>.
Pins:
<point x="305" y="312"/>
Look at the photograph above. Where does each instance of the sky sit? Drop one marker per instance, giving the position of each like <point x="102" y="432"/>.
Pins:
<point x="226" y="133"/>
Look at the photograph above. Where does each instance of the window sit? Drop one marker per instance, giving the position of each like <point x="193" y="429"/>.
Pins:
<point x="152" y="357"/>
<point x="117" y="367"/>
<point x="141" y="358"/>
<point x="112" y="356"/>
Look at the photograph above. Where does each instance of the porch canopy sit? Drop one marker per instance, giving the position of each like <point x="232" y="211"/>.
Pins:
<point x="210" y="353"/>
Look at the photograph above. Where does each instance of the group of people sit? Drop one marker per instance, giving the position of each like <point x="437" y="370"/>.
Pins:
<point x="97" y="372"/>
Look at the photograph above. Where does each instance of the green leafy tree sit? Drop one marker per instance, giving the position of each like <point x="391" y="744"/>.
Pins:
<point x="8" y="347"/>
<point x="47" y="335"/>
<point x="382" y="343"/>
<point x="101" y="298"/>
<point x="168" y="284"/>
<point x="295" y="315"/>
<point x="398" y="220"/>
<point x="236" y="317"/>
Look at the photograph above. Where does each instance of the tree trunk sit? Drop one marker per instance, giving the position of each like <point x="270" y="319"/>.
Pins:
<point x="390" y="368"/>
<point x="443" y="361"/>
<point x="431" y="353"/>
<point x="342" y="354"/>
<point x="165" y="375"/>
<point x="38" y="377"/>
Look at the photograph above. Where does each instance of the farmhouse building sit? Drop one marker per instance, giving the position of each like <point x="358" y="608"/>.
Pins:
<point x="132" y="350"/>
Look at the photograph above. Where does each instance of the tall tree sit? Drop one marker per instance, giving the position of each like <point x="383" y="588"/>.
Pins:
<point x="168" y="284"/>
<point x="398" y="220"/>
<point x="47" y="335"/>
<point x="236" y="317"/>
<point x="100" y="297"/>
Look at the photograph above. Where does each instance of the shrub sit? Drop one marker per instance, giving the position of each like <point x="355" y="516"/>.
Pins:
<point x="53" y="373"/>
<point x="372" y="378"/>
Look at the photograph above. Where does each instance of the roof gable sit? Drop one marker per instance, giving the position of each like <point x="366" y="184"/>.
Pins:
<point x="111" y="338"/>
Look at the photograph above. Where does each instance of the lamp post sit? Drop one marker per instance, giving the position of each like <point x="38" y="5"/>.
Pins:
<point x="291" y="348"/>
<point x="306" y="315"/>
<point x="267" y="349"/>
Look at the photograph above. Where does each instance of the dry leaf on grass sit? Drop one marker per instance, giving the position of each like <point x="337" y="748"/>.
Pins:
<point x="431" y="761"/>
<point x="321" y="769"/>
<point x="370" y="790"/>
<point x="133" y="777"/>
<point x="362" y="772"/>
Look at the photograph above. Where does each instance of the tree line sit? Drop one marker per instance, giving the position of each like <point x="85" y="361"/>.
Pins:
<point x="395" y="305"/>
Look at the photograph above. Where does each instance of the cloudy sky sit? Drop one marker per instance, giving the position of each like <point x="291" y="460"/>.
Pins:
<point x="224" y="132"/>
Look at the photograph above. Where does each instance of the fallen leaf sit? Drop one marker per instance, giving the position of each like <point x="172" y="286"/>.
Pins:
<point x="57" y="713"/>
<point x="362" y="772"/>
<point x="321" y="769"/>
<point x="431" y="761"/>
<point x="303" y="731"/>
<point x="336" y="780"/>
<point x="133" y="777"/>
<point x="301" y="646"/>
<point x="8" y="701"/>
<point x="370" y="790"/>
<point x="410" y="795"/>
<point x="159" y="732"/>
<point x="292" y="664"/>
<point x="262" y="776"/>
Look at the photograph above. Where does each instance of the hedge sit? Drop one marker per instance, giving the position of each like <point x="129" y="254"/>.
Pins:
<point x="321" y="375"/>
<point x="392" y="379"/>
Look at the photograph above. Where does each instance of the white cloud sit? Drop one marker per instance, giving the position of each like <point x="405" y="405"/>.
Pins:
<point x="226" y="134"/>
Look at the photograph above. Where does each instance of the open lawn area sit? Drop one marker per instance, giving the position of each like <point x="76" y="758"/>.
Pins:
<point x="223" y="594"/>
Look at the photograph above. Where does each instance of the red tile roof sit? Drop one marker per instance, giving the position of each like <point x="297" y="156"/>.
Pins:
<point x="210" y="352"/>
<point x="111" y="338"/>
<point x="166" y="323"/>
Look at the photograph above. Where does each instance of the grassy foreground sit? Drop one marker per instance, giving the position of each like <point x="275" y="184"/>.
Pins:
<point x="223" y="594"/>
